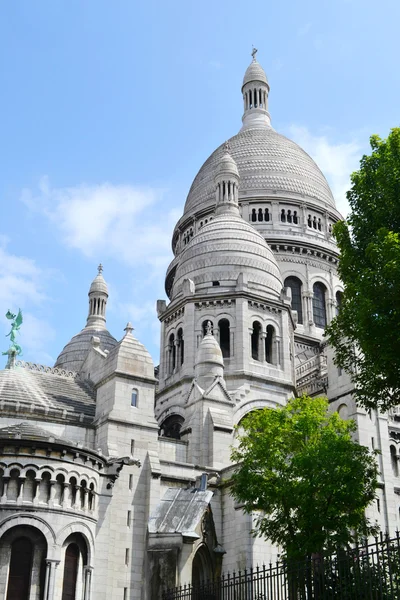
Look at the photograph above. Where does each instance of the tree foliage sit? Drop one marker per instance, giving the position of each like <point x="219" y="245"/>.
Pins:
<point x="310" y="483"/>
<point x="366" y="332"/>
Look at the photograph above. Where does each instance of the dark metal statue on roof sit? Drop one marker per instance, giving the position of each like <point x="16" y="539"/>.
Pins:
<point x="14" y="349"/>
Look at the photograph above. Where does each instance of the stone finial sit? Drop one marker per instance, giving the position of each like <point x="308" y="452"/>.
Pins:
<point x="128" y="328"/>
<point x="253" y="53"/>
<point x="100" y="269"/>
<point x="227" y="147"/>
<point x="209" y="328"/>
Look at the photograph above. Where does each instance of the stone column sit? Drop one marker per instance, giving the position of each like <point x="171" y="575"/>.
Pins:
<point x="52" y="494"/>
<point x="51" y="566"/>
<point x="251" y="346"/>
<point x="261" y="346"/>
<point x="308" y="298"/>
<point x="66" y="495"/>
<point x="277" y="352"/>
<point x="21" y="489"/>
<point x="87" y="582"/>
<point x="5" y="488"/>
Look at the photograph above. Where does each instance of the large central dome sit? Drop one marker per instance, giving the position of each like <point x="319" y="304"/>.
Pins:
<point x="269" y="165"/>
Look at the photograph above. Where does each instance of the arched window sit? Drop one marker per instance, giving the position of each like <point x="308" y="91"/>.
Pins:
<point x="314" y="222"/>
<point x="339" y="298"/>
<point x="295" y="285"/>
<point x="171" y="354"/>
<point x="255" y="341"/>
<point x="254" y="215"/>
<point x="224" y="337"/>
<point x="260" y="214"/>
<point x="309" y="221"/>
<point x="134" y="397"/>
<point x="393" y="458"/>
<point x="289" y="216"/>
<point x="19" y="576"/>
<point x="202" y="571"/>
<point x="295" y="217"/>
<point x="181" y="347"/>
<point x="319" y="305"/>
<point x="269" y="345"/>
<point x="251" y="99"/>
<point x="319" y="225"/>
<point x="171" y="427"/>
<point x="255" y="98"/>
<point x="70" y="572"/>
<point x="283" y="215"/>
<point x="266" y="215"/>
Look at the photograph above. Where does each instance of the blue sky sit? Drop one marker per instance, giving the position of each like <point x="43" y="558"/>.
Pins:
<point x="108" y="110"/>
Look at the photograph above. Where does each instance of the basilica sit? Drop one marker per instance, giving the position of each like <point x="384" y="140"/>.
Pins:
<point x="114" y="472"/>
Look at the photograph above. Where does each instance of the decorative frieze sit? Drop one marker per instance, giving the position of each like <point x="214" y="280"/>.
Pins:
<point x="226" y="302"/>
<point x="263" y="306"/>
<point x="175" y="315"/>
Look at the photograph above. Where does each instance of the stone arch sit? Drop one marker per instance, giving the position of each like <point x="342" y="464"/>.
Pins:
<point x="23" y="550"/>
<point x="202" y="567"/>
<point x="74" y="528"/>
<point x="171" y="426"/>
<point x="31" y="521"/>
<point x="250" y="406"/>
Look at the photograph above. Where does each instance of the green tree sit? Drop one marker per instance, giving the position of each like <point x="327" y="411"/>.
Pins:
<point x="366" y="332"/>
<point x="301" y="472"/>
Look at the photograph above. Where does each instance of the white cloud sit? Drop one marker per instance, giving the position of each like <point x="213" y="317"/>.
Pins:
<point x="125" y="222"/>
<point x="22" y="284"/>
<point x="336" y="160"/>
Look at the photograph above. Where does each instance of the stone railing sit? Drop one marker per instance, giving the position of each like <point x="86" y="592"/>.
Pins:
<point x="311" y="375"/>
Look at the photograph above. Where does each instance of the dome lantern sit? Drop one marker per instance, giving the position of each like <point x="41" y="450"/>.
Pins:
<point x="98" y="296"/>
<point x="255" y="90"/>
<point x="226" y="184"/>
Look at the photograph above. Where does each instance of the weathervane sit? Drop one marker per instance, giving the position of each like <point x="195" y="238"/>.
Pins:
<point x="14" y="349"/>
<point x="253" y="53"/>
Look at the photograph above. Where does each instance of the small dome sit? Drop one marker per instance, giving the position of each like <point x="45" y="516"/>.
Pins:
<point x="74" y="353"/>
<point x="209" y="351"/>
<point x="224" y="248"/>
<point x="254" y="72"/>
<point x="209" y="361"/>
<point x="99" y="284"/>
<point x="227" y="165"/>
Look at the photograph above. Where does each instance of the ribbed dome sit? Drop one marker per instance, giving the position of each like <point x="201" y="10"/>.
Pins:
<point x="224" y="248"/>
<point x="98" y="285"/>
<point x="254" y="72"/>
<point x="269" y="165"/>
<point x="74" y="353"/>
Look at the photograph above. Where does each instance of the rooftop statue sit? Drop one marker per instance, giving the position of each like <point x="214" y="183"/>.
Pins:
<point x="14" y="349"/>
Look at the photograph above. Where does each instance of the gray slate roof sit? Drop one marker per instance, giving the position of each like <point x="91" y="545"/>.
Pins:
<point x="47" y="389"/>
<point x="180" y="511"/>
<point x="29" y="431"/>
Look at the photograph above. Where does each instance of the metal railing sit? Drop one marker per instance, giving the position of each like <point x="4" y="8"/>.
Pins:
<point x="369" y="572"/>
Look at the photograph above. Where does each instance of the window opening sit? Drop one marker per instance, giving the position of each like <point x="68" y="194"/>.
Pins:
<point x="269" y="345"/>
<point x="70" y="572"/>
<point x="255" y="341"/>
<point x="254" y="215"/>
<point x="260" y="214"/>
<point x="134" y="397"/>
<point x="319" y="305"/>
<point x="19" y="577"/>
<point x="224" y="337"/>
<point x="295" y="217"/>
<point x="283" y="216"/>
<point x="295" y="285"/>
<point x="266" y="215"/>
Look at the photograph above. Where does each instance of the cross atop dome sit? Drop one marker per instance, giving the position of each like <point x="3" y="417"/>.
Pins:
<point x="253" y="53"/>
<point x="100" y="269"/>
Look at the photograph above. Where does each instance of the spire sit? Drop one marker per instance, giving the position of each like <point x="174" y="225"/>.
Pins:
<point x="209" y="363"/>
<point x="227" y="184"/>
<point x="255" y="90"/>
<point x="98" y="296"/>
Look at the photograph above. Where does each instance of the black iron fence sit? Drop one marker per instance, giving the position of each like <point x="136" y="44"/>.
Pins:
<point x="369" y="572"/>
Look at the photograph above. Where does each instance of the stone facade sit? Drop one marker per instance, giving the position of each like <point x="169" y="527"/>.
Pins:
<point x="113" y="482"/>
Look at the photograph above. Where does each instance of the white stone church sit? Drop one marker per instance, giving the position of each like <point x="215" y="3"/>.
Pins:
<point x="113" y="473"/>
